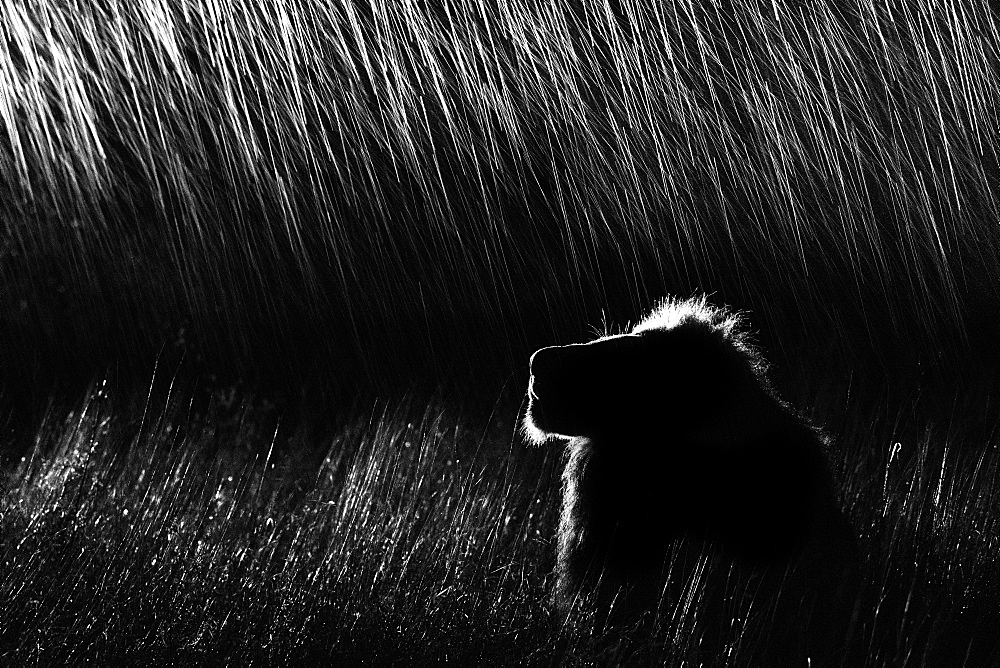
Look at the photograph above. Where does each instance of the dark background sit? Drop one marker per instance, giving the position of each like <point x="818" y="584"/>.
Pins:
<point x="415" y="202"/>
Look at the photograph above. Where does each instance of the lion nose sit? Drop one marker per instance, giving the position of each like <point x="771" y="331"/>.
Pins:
<point x="555" y="361"/>
<point x="543" y="364"/>
<point x="543" y="361"/>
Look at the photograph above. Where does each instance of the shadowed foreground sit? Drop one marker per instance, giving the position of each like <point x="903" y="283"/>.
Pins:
<point x="673" y="432"/>
<point x="216" y="537"/>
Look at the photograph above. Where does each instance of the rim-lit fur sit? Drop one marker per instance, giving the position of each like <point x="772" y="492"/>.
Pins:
<point x="673" y="431"/>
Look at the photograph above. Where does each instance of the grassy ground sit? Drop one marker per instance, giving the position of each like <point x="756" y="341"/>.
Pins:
<point x="167" y="540"/>
<point x="334" y="201"/>
<point x="214" y="536"/>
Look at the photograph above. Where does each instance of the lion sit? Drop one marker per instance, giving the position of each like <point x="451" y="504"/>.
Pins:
<point x="673" y="432"/>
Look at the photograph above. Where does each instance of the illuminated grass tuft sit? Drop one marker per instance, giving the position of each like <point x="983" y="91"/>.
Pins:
<point x="416" y="540"/>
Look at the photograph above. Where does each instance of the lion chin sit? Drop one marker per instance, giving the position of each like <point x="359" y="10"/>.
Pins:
<point x="537" y="427"/>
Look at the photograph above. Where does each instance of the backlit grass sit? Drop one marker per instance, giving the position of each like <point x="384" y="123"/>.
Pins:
<point x="335" y="201"/>
<point x="416" y="540"/>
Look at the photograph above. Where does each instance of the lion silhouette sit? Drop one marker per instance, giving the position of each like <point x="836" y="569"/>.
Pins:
<point x="674" y="432"/>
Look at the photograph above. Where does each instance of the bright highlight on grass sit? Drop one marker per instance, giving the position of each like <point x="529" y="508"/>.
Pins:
<point x="353" y="199"/>
<point x="413" y="539"/>
<point x="406" y="541"/>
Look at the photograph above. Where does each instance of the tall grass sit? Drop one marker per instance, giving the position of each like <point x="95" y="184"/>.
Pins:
<point x="148" y="542"/>
<point x="275" y="180"/>
<point x="416" y="540"/>
<point x="384" y="197"/>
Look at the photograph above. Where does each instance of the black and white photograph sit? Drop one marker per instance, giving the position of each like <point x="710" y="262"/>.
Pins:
<point x="500" y="333"/>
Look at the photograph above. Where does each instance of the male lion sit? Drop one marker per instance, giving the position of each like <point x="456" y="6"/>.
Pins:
<point x="674" y="432"/>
